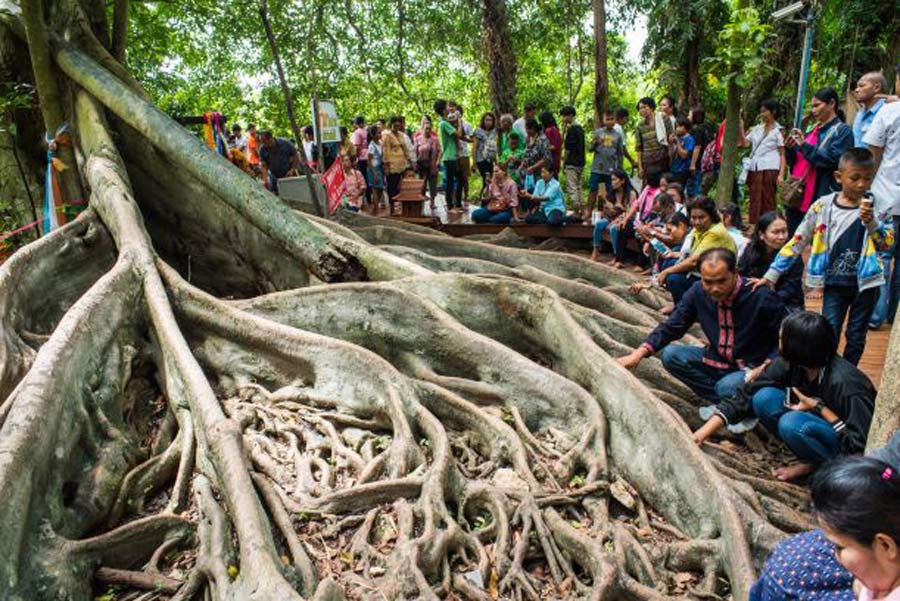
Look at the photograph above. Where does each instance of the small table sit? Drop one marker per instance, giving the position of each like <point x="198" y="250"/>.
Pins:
<point x="411" y="197"/>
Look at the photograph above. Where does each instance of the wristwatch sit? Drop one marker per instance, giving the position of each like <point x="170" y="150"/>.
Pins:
<point x="817" y="408"/>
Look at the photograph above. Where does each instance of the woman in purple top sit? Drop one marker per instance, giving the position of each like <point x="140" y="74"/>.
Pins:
<point x="428" y="157"/>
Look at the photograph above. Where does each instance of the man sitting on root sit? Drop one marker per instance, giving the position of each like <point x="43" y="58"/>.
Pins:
<point x="741" y="326"/>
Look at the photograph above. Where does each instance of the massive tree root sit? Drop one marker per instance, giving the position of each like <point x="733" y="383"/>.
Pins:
<point x="204" y="411"/>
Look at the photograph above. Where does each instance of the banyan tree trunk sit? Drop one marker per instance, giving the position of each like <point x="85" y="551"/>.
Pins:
<point x="500" y="57"/>
<point x="208" y="395"/>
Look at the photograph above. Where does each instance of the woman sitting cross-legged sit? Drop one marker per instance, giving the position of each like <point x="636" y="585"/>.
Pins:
<point x="623" y="196"/>
<point x="501" y="199"/>
<point x="546" y="201"/>
<point x="815" y="401"/>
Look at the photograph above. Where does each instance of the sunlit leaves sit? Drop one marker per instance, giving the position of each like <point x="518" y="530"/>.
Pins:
<point x="742" y="47"/>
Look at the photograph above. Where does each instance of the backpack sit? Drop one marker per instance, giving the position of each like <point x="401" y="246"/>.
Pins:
<point x="710" y="158"/>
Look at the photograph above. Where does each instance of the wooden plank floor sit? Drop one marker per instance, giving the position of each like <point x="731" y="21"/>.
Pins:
<point x="872" y="362"/>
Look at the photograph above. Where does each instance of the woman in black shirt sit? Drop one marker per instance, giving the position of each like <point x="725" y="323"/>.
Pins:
<point x="769" y="234"/>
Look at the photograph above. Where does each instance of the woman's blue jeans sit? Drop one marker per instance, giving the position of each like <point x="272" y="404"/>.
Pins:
<point x="598" y="231"/>
<point x="809" y="436"/>
<point x="485" y="215"/>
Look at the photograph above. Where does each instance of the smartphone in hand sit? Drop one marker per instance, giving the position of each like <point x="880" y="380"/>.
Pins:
<point x="658" y="246"/>
<point x="790" y="398"/>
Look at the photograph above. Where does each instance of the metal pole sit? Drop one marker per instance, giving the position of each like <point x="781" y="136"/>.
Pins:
<point x="317" y="132"/>
<point x="804" y="67"/>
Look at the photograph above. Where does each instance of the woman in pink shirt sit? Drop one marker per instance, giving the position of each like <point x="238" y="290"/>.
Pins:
<point x="623" y="227"/>
<point x="428" y="157"/>
<point x="360" y="139"/>
<point x="354" y="185"/>
<point x="501" y="200"/>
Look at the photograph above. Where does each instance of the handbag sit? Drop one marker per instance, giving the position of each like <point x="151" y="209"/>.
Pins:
<point x="496" y="205"/>
<point x="710" y="158"/>
<point x="791" y="191"/>
<point x="745" y="171"/>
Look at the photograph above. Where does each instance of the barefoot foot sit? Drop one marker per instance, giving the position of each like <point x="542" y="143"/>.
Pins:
<point x="792" y="472"/>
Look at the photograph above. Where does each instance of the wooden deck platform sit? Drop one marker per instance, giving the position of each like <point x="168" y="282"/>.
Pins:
<point x="458" y="226"/>
<point x="872" y="362"/>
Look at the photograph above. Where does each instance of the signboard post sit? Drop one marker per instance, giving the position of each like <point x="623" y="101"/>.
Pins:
<point x="326" y="125"/>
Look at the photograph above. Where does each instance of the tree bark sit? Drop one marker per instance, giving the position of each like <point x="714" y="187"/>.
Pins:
<point x="308" y="242"/>
<point x="48" y="93"/>
<point x="499" y="56"/>
<point x="289" y="107"/>
<point x="726" y="183"/>
<point x="601" y="81"/>
<point x="691" y="94"/>
<point x="886" y="419"/>
<point x="120" y="29"/>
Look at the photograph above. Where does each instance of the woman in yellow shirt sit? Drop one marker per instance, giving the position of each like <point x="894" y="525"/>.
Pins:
<point x="708" y="232"/>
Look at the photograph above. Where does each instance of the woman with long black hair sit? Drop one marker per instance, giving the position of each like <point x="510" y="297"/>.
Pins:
<point x="818" y="403"/>
<point x="769" y="234"/>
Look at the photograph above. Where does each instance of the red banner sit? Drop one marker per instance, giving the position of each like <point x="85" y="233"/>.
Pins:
<point x="333" y="180"/>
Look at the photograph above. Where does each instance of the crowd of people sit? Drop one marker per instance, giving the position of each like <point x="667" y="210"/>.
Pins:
<point x="823" y="212"/>
<point x="769" y="361"/>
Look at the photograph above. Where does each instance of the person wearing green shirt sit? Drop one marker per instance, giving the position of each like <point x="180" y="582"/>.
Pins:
<point x="511" y="157"/>
<point x="505" y="126"/>
<point x="448" y="134"/>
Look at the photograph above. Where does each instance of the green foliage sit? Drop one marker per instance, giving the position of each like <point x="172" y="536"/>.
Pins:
<point x="13" y="97"/>
<point x="202" y="55"/>
<point x="673" y="28"/>
<point x="481" y="522"/>
<point x="576" y="481"/>
<point x="742" y="48"/>
<point x="854" y="38"/>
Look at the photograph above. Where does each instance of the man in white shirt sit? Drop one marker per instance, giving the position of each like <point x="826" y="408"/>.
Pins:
<point x="529" y="112"/>
<point x="883" y="139"/>
<point x="240" y="141"/>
